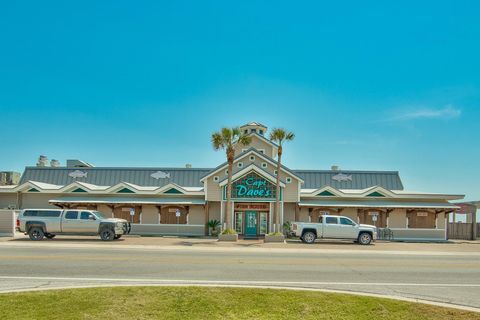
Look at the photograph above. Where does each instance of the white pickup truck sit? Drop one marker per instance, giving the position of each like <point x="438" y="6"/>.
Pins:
<point x="334" y="227"/>
<point x="40" y="223"/>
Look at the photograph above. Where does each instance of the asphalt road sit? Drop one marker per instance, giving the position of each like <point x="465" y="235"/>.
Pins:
<point x="449" y="278"/>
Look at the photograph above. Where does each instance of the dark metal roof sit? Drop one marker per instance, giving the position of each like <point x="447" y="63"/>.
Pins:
<point x="185" y="177"/>
<point x="359" y="179"/>
<point x="190" y="177"/>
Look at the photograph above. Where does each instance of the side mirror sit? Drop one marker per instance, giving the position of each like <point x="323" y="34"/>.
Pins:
<point x="91" y="217"/>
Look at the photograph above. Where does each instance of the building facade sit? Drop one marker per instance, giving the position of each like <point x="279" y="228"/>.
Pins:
<point x="167" y="201"/>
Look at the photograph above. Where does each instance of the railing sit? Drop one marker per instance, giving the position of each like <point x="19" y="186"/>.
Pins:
<point x="168" y="229"/>
<point x="385" y="234"/>
<point x="402" y="234"/>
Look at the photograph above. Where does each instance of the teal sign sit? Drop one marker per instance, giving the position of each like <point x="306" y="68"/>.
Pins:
<point x="253" y="186"/>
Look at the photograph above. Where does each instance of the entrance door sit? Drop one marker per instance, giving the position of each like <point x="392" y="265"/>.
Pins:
<point x="250" y="223"/>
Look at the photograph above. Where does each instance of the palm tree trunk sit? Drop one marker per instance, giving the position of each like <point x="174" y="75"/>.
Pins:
<point x="277" y="198"/>
<point x="229" y="194"/>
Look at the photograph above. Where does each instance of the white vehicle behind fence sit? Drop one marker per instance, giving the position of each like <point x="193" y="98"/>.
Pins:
<point x="334" y="227"/>
<point x="40" y="223"/>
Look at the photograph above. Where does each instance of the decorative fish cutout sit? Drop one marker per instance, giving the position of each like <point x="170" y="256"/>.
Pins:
<point x="78" y="174"/>
<point x="160" y="175"/>
<point x="342" y="177"/>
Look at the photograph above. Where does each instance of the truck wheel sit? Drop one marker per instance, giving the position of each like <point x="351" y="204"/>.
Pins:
<point x="309" y="237"/>
<point x="107" y="235"/>
<point x="364" y="238"/>
<point x="50" y="236"/>
<point x="36" y="234"/>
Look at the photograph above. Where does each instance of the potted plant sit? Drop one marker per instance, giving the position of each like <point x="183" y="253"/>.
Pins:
<point x="287" y="230"/>
<point x="228" y="235"/>
<point x="213" y="226"/>
<point x="275" y="237"/>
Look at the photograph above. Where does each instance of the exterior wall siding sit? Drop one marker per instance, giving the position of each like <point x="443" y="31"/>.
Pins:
<point x="8" y="199"/>
<point x="149" y="214"/>
<point x="214" y="210"/>
<point x="196" y="215"/>
<point x="256" y="143"/>
<point x="37" y="200"/>
<point x="397" y="218"/>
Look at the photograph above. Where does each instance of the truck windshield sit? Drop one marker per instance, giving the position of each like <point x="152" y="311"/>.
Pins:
<point x="100" y="215"/>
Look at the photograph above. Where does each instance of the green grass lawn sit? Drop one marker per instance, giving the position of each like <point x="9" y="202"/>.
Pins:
<point x="211" y="303"/>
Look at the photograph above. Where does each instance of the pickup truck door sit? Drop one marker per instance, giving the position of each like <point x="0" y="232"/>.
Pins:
<point x="88" y="223"/>
<point x="348" y="229"/>
<point x="70" y="221"/>
<point x="331" y="227"/>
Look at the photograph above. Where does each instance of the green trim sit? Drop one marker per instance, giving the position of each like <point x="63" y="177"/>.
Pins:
<point x="33" y="190"/>
<point x="326" y="194"/>
<point x="173" y="191"/>
<point x="79" y="190"/>
<point x="375" y="194"/>
<point x="125" y="190"/>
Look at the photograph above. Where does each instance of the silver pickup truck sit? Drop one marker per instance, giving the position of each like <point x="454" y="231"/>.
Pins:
<point x="40" y="223"/>
<point x="334" y="227"/>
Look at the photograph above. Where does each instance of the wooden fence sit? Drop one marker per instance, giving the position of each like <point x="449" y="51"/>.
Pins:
<point x="462" y="231"/>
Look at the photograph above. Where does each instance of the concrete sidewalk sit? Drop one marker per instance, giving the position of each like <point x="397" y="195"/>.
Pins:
<point x="206" y="242"/>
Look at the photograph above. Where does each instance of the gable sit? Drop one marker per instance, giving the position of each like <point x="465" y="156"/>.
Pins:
<point x="258" y="143"/>
<point x="375" y="194"/>
<point x="173" y="191"/>
<point x="326" y="193"/>
<point x="125" y="190"/>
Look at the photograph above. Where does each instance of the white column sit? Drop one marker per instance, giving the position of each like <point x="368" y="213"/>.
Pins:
<point x="270" y="217"/>
<point x="221" y="215"/>
<point x="281" y="213"/>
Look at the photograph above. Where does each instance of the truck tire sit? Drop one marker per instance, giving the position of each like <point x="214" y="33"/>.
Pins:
<point x="107" y="234"/>
<point x="36" y="234"/>
<point x="50" y="236"/>
<point x="365" y="238"/>
<point x="309" y="237"/>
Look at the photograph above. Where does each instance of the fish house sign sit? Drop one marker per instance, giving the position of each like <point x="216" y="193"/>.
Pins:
<point x="253" y="186"/>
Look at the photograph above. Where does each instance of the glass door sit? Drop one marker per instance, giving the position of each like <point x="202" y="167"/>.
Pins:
<point x="250" y="223"/>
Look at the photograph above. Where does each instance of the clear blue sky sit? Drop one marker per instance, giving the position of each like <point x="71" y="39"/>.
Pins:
<point x="364" y="84"/>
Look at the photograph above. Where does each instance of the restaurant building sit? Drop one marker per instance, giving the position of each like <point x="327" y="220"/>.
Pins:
<point x="169" y="201"/>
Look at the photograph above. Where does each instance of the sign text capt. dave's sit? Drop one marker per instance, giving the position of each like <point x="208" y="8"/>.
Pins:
<point x="253" y="186"/>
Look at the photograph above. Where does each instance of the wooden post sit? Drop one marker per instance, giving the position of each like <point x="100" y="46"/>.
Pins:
<point x="207" y="217"/>
<point x="297" y="209"/>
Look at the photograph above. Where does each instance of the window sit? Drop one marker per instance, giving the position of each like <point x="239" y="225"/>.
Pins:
<point x="275" y="172"/>
<point x="331" y="220"/>
<point x="246" y="131"/>
<point x="239" y="222"/>
<point x="240" y="164"/>
<point x="71" y="215"/>
<point x="216" y="178"/>
<point x="254" y="130"/>
<point x="288" y="180"/>
<point x="261" y="132"/>
<point x="226" y="172"/>
<point x="244" y="150"/>
<point x="346" y="222"/>
<point x="262" y="151"/>
<point x="263" y="223"/>
<point x="42" y="213"/>
<point x="252" y="158"/>
<point x="85" y="215"/>
<point x="264" y="165"/>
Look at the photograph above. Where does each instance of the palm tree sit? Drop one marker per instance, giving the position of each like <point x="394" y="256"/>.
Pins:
<point x="279" y="136"/>
<point x="225" y="139"/>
